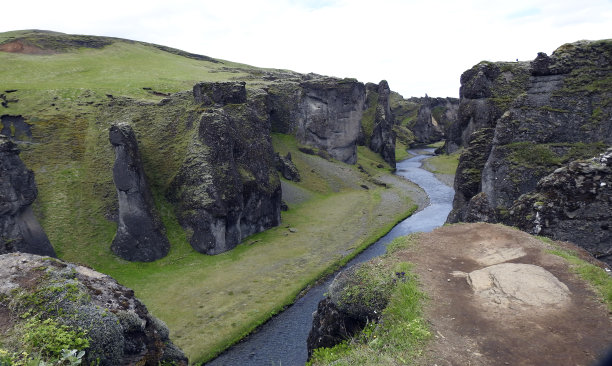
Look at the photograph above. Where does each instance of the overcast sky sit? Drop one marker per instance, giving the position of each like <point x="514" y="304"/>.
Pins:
<point x="419" y="47"/>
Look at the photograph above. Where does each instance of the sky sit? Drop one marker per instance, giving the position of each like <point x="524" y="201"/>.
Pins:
<point x="419" y="47"/>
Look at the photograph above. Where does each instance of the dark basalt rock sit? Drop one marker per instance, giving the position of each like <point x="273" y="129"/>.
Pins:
<point x="120" y="329"/>
<point x="469" y="172"/>
<point x="544" y="114"/>
<point x="285" y="166"/>
<point x="140" y="232"/>
<point x="434" y="118"/>
<point x="19" y="229"/>
<point x="330" y="116"/>
<point x="227" y="187"/>
<point x="220" y="94"/>
<point x="574" y="203"/>
<point x="330" y="326"/>
<point x="358" y="295"/>
<point x="382" y="140"/>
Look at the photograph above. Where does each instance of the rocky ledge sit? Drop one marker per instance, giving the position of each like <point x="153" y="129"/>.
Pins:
<point x="41" y="293"/>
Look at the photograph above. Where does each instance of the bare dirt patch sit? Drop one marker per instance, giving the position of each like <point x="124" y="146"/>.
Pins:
<point x="21" y="47"/>
<point x="470" y="329"/>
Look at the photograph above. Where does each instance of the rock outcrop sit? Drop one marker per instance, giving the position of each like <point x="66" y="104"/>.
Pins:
<point x="285" y="166"/>
<point x="543" y="115"/>
<point x="574" y="203"/>
<point x="434" y="118"/>
<point x="118" y="327"/>
<point x="227" y="187"/>
<point x="140" y="232"/>
<point x="19" y="229"/>
<point x="330" y="116"/>
<point x="382" y="138"/>
<point x="357" y="295"/>
<point x="334" y="115"/>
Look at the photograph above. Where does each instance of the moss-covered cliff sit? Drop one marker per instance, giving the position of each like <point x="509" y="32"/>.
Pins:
<point x="542" y="114"/>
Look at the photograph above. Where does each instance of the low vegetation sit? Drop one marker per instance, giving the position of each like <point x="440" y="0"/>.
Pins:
<point x="594" y="275"/>
<point x="208" y="302"/>
<point x="400" y="335"/>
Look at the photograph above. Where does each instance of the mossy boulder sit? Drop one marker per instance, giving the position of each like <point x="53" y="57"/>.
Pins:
<point x="89" y="310"/>
<point x="358" y="295"/>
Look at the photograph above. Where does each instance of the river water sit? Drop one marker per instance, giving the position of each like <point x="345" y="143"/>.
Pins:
<point x="282" y="340"/>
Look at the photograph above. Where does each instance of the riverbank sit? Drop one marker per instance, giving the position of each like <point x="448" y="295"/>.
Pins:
<point x="211" y="302"/>
<point x="494" y="295"/>
<point x="283" y="339"/>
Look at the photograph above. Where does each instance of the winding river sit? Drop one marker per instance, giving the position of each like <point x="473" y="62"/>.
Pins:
<point x="282" y="340"/>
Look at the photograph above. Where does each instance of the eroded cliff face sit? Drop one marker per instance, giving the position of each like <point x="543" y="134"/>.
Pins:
<point x="330" y="116"/>
<point x="140" y="232"/>
<point x="543" y="114"/>
<point x="74" y="298"/>
<point x="227" y="187"/>
<point x="334" y="115"/>
<point x="435" y="116"/>
<point x="19" y="229"/>
<point x="574" y="203"/>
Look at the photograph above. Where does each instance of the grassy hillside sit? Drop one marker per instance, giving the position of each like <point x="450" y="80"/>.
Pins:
<point x="69" y="95"/>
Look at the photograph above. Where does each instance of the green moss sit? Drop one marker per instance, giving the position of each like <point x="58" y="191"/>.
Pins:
<point x="437" y="112"/>
<point x="543" y="156"/>
<point x="369" y="116"/>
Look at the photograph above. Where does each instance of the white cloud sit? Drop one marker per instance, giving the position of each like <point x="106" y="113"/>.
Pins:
<point x="418" y="46"/>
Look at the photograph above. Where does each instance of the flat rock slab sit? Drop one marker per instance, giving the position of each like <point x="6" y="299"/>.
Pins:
<point x="518" y="284"/>
<point x="498" y="297"/>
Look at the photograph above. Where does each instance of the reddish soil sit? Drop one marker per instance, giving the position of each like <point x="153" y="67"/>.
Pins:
<point x="469" y="330"/>
<point x="20" y="47"/>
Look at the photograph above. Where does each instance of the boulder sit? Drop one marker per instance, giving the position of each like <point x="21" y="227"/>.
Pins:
<point x="358" y="295"/>
<point x="330" y="326"/>
<point x="140" y="233"/>
<point x="78" y="300"/>
<point x="19" y="229"/>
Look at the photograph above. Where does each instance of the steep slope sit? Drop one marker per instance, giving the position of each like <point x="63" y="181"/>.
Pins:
<point x="541" y="115"/>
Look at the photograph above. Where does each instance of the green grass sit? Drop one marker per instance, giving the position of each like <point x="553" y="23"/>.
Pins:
<point x="208" y="302"/>
<point x="401" y="151"/>
<point x="402" y="332"/>
<point x="597" y="277"/>
<point x="443" y="164"/>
